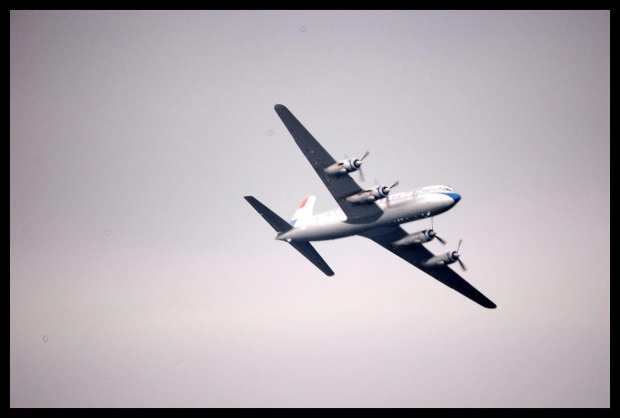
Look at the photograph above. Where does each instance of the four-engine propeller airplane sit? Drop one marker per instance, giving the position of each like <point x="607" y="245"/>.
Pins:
<point x="373" y="213"/>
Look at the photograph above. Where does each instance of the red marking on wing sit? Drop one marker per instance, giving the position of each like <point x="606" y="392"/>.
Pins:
<point x="303" y="203"/>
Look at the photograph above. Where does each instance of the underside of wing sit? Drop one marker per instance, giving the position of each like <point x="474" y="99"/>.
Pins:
<point x="418" y="255"/>
<point x="341" y="186"/>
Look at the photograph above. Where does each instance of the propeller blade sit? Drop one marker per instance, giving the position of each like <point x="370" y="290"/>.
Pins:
<point x="433" y="234"/>
<point x="365" y="155"/>
<point x="386" y="191"/>
<point x="361" y="174"/>
<point x="457" y="248"/>
<point x="462" y="265"/>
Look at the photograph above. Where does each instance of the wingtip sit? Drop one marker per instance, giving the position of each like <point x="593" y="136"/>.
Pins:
<point x="279" y="107"/>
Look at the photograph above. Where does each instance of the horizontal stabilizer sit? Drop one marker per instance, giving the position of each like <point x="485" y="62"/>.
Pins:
<point x="310" y="253"/>
<point x="277" y="223"/>
<point x="280" y="225"/>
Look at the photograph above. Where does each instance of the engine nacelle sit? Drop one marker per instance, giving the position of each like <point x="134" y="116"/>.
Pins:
<point x="367" y="196"/>
<point x="416" y="238"/>
<point x="380" y="192"/>
<point x="442" y="259"/>
<point x="362" y="197"/>
<point x="344" y="166"/>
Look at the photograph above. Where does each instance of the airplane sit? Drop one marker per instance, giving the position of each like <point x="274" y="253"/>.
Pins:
<point x="373" y="213"/>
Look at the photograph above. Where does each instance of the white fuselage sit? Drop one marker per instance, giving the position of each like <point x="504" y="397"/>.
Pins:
<point x="401" y="208"/>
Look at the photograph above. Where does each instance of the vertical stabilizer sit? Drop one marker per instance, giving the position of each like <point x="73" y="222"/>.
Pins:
<point x="304" y="211"/>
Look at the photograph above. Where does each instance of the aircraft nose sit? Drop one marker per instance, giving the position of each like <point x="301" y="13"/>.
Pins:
<point x="455" y="196"/>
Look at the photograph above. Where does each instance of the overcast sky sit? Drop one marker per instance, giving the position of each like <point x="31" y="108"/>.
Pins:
<point x="140" y="277"/>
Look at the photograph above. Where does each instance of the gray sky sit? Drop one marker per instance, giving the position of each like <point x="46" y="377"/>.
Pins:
<point x="140" y="277"/>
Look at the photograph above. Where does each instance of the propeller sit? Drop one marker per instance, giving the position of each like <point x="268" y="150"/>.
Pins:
<point x="358" y="164"/>
<point x="456" y="256"/>
<point x="433" y="234"/>
<point x="385" y="190"/>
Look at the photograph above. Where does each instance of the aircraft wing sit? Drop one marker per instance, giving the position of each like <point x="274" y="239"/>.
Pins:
<point x="418" y="254"/>
<point x="340" y="186"/>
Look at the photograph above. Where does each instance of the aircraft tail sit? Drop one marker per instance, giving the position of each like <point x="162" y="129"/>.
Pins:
<point x="304" y="211"/>
<point x="280" y="225"/>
